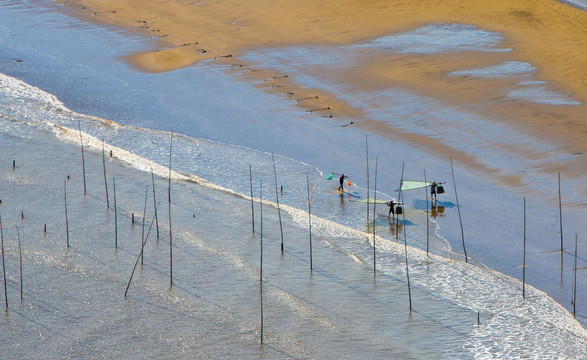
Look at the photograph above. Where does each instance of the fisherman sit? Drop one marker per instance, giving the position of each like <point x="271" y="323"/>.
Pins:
<point x="433" y="188"/>
<point x="436" y="188"/>
<point x="391" y="205"/>
<point x="341" y="181"/>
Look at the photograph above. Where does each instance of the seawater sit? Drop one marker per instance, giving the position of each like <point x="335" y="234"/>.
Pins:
<point x="73" y="302"/>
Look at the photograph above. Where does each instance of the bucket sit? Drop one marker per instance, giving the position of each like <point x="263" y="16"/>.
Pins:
<point x="440" y="190"/>
<point x="399" y="210"/>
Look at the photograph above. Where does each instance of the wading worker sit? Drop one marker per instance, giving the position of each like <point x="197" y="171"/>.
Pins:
<point x="433" y="188"/>
<point x="391" y="205"/>
<point x="341" y="181"/>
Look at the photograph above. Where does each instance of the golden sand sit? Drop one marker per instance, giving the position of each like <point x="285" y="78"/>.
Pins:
<point x="547" y="34"/>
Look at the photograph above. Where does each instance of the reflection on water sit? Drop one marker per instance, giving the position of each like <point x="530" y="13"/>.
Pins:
<point x="436" y="210"/>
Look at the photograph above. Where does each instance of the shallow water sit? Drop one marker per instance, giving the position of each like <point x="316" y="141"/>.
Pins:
<point x="74" y="304"/>
<point x="338" y="309"/>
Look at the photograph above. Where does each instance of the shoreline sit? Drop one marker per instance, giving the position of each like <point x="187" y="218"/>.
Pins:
<point x="96" y="265"/>
<point x="546" y="34"/>
<point x="503" y="246"/>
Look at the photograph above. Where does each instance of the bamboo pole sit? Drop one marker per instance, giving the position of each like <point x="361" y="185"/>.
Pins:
<point x="261" y="210"/>
<point x="169" y="210"/>
<point x="20" y="261"/>
<point x="155" y="204"/>
<point x="261" y="258"/>
<point x="374" y="213"/>
<point x="575" y="282"/>
<point x="399" y="200"/>
<point x="367" y="156"/>
<point x="140" y="255"/>
<point x="3" y="263"/>
<point x="83" y="158"/>
<point x="66" y="219"/>
<point x="309" y="220"/>
<point x="115" y="216"/>
<point x="560" y="209"/>
<point x="277" y="199"/>
<point x="459" y="211"/>
<point x="143" y="226"/>
<point x="105" y="181"/>
<point x="252" y="200"/>
<point x="524" y="264"/>
<point x="407" y="267"/>
<point x="427" y="217"/>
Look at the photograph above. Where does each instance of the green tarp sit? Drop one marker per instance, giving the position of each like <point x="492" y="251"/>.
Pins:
<point x="364" y="201"/>
<point x="412" y="185"/>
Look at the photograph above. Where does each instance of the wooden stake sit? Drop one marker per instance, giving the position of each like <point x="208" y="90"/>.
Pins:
<point x="261" y="259"/>
<point x="115" y="216"/>
<point x="407" y="267"/>
<point x="277" y="199"/>
<point x="524" y="264"/>
<point x="169" y="202"/>
<point x="3" y="263"/>
<point x="105" y="181"/>
<point x="399" y="197"/>
<point x="560" y="209"/>
<point x="427" y="217"/>
<point x="143" y="230"/>
<point x="252" y="201"/>
<point x="367" y="156"/>
<point x="575" y="282"/>
<point x="309" y="220"/>
<point x="66" y="220"/>
<point x="155" y="205"/>
<point x="374" y="213"/>
<point x="459" y="211"/>
<point x="83" y="159"/>
<point x="20" y="260"/>
<point x="261" y="210"/>
<point x="140" y="255"/>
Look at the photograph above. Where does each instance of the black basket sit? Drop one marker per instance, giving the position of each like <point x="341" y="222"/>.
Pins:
<point x="440" y="190"/>
<point x="399" y="210"/>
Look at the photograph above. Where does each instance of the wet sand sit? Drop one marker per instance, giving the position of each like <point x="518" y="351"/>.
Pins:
<point x="547" y="34"/>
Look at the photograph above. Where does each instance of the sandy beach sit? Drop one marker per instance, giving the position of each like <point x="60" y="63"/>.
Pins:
<point x="547" y="34"/>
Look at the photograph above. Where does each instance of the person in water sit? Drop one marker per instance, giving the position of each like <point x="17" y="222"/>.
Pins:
<point x="391" y="205"/>
<point x="341" y="181"/>
<point x="433" y="188"/>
